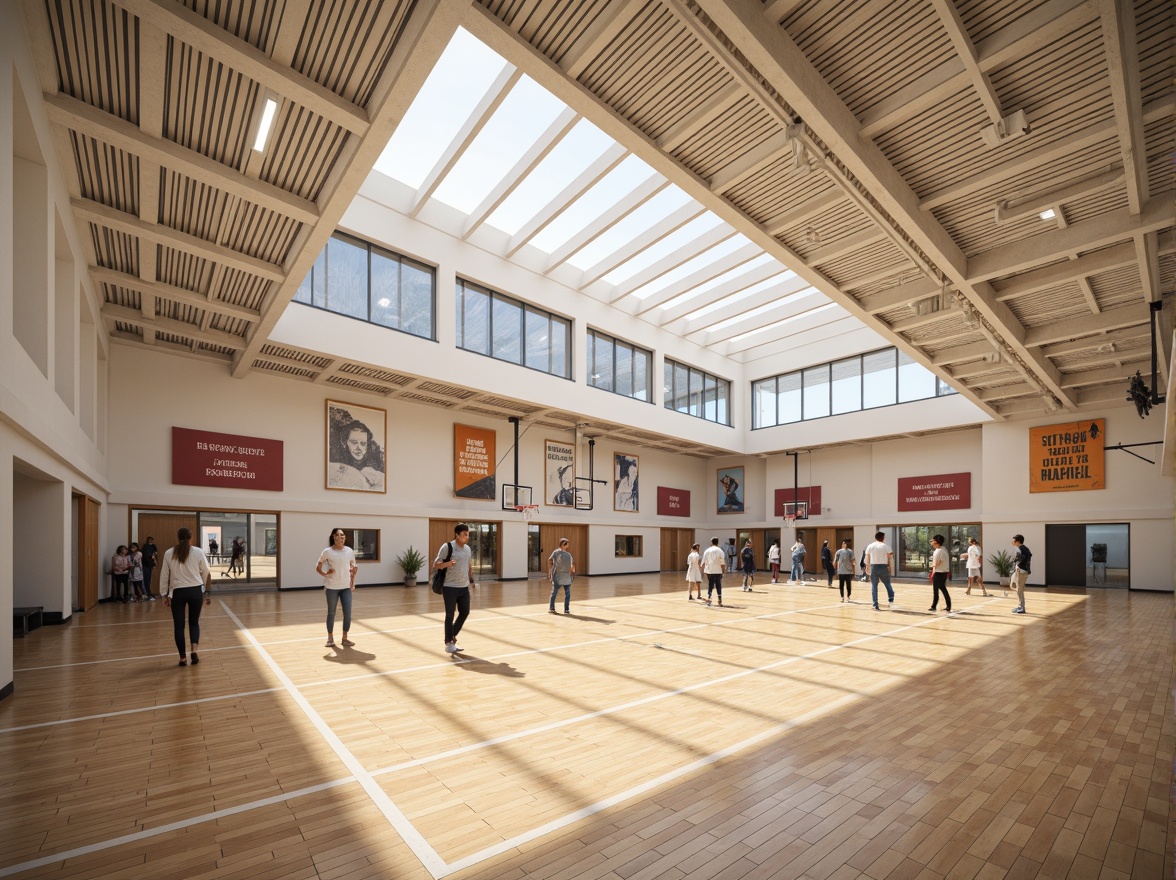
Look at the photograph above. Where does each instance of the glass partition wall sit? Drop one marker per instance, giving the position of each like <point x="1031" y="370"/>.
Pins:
<point x="256" y="535"/>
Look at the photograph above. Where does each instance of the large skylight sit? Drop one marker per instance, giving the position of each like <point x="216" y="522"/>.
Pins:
<point x="656" y="209"/>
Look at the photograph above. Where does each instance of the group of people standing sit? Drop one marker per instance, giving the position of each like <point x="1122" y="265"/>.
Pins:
<point x="236" y="554"/>
<point x="132" y="568"/>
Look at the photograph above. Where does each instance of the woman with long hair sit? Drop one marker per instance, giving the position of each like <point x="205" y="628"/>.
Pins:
<point x="336" y="565"/>
<point x="186" y="583"/>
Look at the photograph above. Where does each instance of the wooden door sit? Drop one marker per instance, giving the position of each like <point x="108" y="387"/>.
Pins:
<point x="88" y="555"/>
<point x="441" y="530"/>
<point x="577" y="535"/>
<point x="675" y="547"/>
<point x="163" y="527"/>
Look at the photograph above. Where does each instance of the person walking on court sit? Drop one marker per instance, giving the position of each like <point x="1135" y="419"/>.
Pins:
<point x="694" y="573"/>
<point x="827" y="561"/>
<point x="798" y="553"/>
<point x="974" y="566"/>
<point x="774" y="561"/>
<point x="879" y="556"/>
<point x="561" y="569"/>
<point x="459" y="580"/>
<point x="337" y="565"/>
<point x="1020" y="571"/>
<point x="845" y="566"/>
<point x="940" y="569"/>
<point x="714" y="563"/>
<point x="747" y="557"/>
<point x="186" y="585"/>
<point x="732" y="555"/>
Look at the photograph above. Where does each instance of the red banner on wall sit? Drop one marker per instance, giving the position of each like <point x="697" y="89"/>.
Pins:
<point x="673" y="502"/>
<point x="807" y="494"/>
<point x="936" y="492"/>
<point x="228" y="461"/>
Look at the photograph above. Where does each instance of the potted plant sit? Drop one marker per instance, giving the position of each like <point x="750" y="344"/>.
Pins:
<point x="1003" y="563"/>
<point x="412" y="561"/>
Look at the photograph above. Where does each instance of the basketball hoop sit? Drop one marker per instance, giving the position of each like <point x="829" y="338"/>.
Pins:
<point x="529" y="511"/>
<point x="790" y="520"/>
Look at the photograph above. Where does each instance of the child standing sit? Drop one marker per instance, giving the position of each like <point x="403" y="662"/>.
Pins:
<point x="694" y="573"/>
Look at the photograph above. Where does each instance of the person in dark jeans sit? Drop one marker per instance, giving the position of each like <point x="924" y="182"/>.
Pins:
<point x="186" y="585"/>
<point x="150" y="557"/>
<point x="459" y="580"/>
<point x="827" y="561"/>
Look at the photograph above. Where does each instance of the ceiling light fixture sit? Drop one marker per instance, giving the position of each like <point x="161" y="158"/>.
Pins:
<point x="1006" y="128"/>
<point x="1048" y="214"/>
<point x="265" y="122"/>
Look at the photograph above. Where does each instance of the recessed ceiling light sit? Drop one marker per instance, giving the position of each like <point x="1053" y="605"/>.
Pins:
<point x="268" y="111"/>
<point x="383" y="302"/>
<point x="1047" y="214"/>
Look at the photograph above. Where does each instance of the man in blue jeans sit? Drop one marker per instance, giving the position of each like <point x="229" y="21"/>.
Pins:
<point x="879" y="557"/>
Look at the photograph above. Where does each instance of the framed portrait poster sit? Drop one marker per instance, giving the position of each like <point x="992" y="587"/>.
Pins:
<point x="626" y="496"/>
<point x="560" y="473"/>
<point x="730" y="490"/>
<point x="356" y="437"/>
<point x="474" y="463"/>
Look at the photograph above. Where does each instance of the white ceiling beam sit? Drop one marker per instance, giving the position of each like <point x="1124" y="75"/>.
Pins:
<point x="597" y="36"/>
<point x="1095" y="134"/>
<point x="617" y="212"/>
<point x="804" y="211"/>
<point x="965" y="49"/>
<point x="967" y="352"/>
<point x="172" y="294"/>
<point x="1102" y="395"/>
<point x="722" y="101"/>
<point x="793" y="306"/>
<point x="713" y="269"/>
<point x="112" y="312"/>
<point x="1007" y="392"/>
<point x="650" y="237"/>
<point x="671" y="261"/>
<point x="776" y="10"/>
<point x="1028" y="33"/>
<point x="214" y="41"/>
<point x="833" y="329"/>
<point x="1127" y="339"/>
<point x="560" y="127"/>
<point x="675" y="319"/>
<point x="588" y="178"/>
<point x="1059" y="273"/>
<point x="86" y="119"/>
<point x="844" y="246"/>
<point x="885" y="300"/>
<point x="1097" y="232"/>
<point x="424" y="35"/>
<point x="1104" y="374"/>
<point x="797" y="326"/>
<point x="894" y="274"/>
<point x="972" y="369"/>
<point x="102" y="215"/>
<point x="783" y="293"/>
<point x="905" y="325"/>
<point x="751" y="162"/>
<point x="481" y="114"/>
<point x="1109" y="319"/>
<point x="1122" y="55"/>
<point x="1147" y="249"/>
<point x="1035" y="203"/>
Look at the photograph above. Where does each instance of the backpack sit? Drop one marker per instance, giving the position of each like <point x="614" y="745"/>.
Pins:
<point x="748" y="556"/>
<point x="439" y="574"/>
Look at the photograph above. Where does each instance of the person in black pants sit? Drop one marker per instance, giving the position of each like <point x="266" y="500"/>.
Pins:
<point x="827" y="561"/>
<point x="150" y="557"/>
<point x="940" y="569"/>
<point x="459" y="580"/>
<point x="186" y="584"/>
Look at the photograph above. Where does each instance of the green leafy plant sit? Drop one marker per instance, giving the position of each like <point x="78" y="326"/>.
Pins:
<point x="1002" y="562"/>
<point x="412" y="561"/>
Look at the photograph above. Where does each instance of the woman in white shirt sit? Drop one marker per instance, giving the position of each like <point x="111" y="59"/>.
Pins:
<point x="974" y="565"/>
<point x="186" y="583"/>
<point x="774" y="561"/>
<point x="337" y="565"/>
<point x="940" y="569"/>
<point x="693" y="573"/>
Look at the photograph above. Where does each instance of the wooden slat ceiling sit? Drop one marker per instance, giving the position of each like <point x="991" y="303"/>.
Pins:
<point x="199" y="243"/>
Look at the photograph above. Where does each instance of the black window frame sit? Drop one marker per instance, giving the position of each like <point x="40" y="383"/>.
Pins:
<point x="682" y="400"/>
<point x="524" y="309"/>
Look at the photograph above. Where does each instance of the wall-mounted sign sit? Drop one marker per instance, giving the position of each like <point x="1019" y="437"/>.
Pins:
<point x="474" y="462"/>
<point x="1068" y="457"/>
<point x="673" y="502"/>
<point x="228" y="461"/>
<point x="935" y="492"/>
<point x="810" y="495"/>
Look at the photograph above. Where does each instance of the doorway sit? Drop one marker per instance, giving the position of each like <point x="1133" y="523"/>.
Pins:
<point x="485" y="558"/>
<point x="543" y="538"/>
<point x="254" y="565"/>
<point x="1096" y="555"/>
<point x="675" y="547"/>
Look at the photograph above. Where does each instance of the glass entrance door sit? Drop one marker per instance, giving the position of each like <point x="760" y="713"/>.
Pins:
<point x="483" y="549"/>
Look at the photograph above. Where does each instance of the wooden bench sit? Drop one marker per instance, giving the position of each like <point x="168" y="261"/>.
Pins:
<point x="25" y="620"/>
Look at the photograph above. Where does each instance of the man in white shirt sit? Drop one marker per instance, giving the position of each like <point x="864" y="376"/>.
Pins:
<point x="714" y="563"/>
<point x="878" y="557"/>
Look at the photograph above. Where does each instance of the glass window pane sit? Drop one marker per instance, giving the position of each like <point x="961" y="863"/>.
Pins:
<point x="681" y="388"/>
<point x="417" y="286"/>
<point x="668" y="384"/>
<point x="385" y="291"/>
<point x="305" y="292"/>
<point x="641" y="368"/>
<point x="816" y="392"/>
<point x="788" y="398"/>
<point x="603" y="366"/>
<point x="763" y="403"/>
<point x="878" y="378"/>
<point x="560" y="360"/>
<point x="347" y="267"/>
<point x="319" y="272"/>
<point x="943" y="388"/>
<point x="723" y="415"/>
<point x="506" y="322"/>
<point x="695" y="406"/>
<point x="475" y="320"/>
<point x="915" y="382"/>
<point x="847" y="385"/>
<point x="709" y="410"/>
<point x="538" y="355"/>
<point x="624" y="369"/>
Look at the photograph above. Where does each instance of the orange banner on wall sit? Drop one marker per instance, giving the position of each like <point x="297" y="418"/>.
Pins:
<point x="1067" y="457"/>
<point x="473" y="462"/>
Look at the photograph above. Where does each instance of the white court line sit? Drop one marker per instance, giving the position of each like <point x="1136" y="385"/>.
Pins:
<point x="413" y="839"/>
<point x="515" y="841"/>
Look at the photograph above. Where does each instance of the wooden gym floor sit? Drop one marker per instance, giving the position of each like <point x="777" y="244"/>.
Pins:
<point x="784" y="736"/>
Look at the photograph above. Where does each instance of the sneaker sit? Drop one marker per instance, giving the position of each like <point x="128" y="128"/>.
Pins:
<point x="876" y="608"/>
<point x="347" y="643"/>
<point x="708" y="601"/>
<point x="551" y="611"/>
<point x="567" y="611"/>
<point x="450" y="648"/>
<point x="1018" y="611"/>
<point x="330" y="643"/>
<point x="457" y="649"/>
